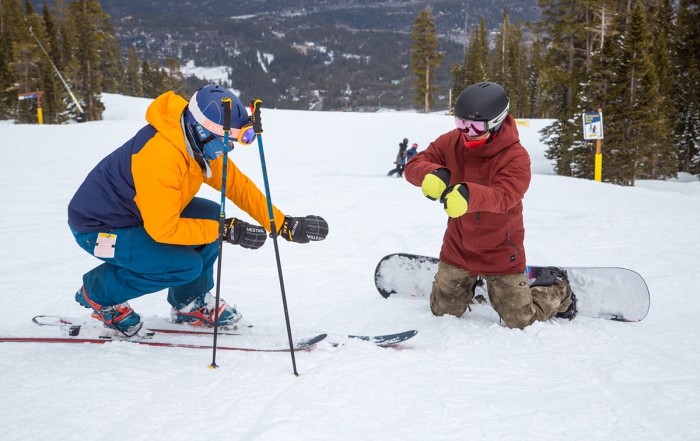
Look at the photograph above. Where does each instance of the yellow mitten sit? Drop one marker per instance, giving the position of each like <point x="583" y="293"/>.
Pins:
<point x="456" y="200"/>
<point x="435" y="183"/>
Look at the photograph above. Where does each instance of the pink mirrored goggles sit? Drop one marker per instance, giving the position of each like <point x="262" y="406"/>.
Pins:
<point x="471" y="128"/>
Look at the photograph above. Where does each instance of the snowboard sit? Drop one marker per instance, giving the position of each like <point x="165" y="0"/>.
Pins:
<point x="601" y="292"/>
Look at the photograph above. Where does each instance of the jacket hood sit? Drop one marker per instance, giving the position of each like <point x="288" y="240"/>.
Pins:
<point x="164" y="114"/>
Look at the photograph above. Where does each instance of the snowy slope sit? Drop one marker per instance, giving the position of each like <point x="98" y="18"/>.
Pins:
<point x="467" y="378"/>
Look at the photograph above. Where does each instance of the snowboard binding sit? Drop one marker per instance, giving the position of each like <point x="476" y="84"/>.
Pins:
<point x="547" y="277"/>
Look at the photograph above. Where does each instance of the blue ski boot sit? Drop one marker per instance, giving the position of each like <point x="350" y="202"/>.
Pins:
<point x="119" y="317"/>
<point x="200" y="312"/>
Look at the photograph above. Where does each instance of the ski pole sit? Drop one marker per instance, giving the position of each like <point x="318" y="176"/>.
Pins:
<point x="257" y="128"/>
<point x="226" y="102"/>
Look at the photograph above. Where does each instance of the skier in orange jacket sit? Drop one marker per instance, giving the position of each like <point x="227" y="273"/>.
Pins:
<point x="137" y="212"/>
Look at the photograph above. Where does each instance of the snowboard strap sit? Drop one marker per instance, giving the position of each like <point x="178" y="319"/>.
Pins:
<point x="548" y="275"/>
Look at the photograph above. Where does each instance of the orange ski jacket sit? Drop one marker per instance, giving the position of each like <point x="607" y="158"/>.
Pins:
<point x="150" y="180"/>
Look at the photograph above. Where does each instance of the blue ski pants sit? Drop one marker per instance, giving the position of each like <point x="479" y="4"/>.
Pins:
<point x="143" y="266"/>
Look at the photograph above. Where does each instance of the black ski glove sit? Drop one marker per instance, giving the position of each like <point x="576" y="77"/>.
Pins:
<point x="244" y="234"/>
<point x="304" y="229"/>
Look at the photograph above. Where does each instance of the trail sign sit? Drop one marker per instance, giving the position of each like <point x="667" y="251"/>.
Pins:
<point x="29" y="96"/>
<point x="34" y="95"/>
<point x="593" y="125"/>
<point x="593" y="129"/>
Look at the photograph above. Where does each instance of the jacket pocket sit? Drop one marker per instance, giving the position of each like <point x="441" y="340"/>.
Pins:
<point x="122" y="250"/>
<point x="85" y="241"/>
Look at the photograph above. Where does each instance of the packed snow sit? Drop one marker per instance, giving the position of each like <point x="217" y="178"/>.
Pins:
<point x="459" y="378"/>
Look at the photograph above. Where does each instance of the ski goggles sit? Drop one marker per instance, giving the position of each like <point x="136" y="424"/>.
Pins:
<point x="245" y="135"/>
<point x="477" y="128"/>
<point x="471" y="128"/>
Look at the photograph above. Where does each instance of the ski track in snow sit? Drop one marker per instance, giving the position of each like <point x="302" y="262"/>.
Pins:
<point x="466" y="378"/>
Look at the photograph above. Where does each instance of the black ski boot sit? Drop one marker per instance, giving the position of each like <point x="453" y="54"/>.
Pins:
<point x="547" y="277"/>
<point x="571" y="312"/>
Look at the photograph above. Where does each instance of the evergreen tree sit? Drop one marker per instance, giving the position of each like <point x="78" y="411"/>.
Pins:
<point x="687" y="130"/>
<point x="602" y="45"/>
<point x="509" y="66"/>
<point x="663" y="19"/>
<point x="499" y="63"/>
<point x="664" y="163"/>
<point x="26" y="64"/>
<point x="111" y="64"/>
<point x="425" y="58"/>
<point x="91" y="37"/>
<point x="160" y="78"/>
<point x="477" y="68"/>
<point x="62" y="54"/>
<point x="535" y="99"/>
<point x="174" y="80"/>
<point x="615" y="64"/>
<point x="599" y="94"/>
<point x="475" y="65"/>
<point x="519" y="71"/>
<point x="568" y="25"/>
<point x="685" y="94"/>
<point x="459" y="80"/>
<point x="639" y="133"/>
<point x="148" y="79"/>
<point x="132" y="85"/>
<point x="155" y="80"/>
<point x="11" y="16"/>
<point x="55" y="95"/>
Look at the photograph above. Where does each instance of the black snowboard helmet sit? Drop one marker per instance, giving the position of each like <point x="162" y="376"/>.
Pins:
<point x="486" y="102"/>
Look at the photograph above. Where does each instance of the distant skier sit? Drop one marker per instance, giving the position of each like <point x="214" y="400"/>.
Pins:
<point x="400" y="159"/>
<point x="480" y="173"/>
<point x="410" y="153"/>
<point x="137" y="212"/>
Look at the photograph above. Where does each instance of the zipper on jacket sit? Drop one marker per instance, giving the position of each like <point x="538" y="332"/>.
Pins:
<point x="478" y="215"/>
<point x="511" y="243"/>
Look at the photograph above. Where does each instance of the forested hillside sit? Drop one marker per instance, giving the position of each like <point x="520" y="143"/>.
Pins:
<point x="295" y="54"/>
<point x="636" y="60"/>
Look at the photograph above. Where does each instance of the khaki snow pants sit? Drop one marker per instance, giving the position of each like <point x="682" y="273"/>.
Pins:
<point x="510" y="295"/>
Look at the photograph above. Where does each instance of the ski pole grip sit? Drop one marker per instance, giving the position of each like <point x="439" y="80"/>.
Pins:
<point x="226" y="103"/>
<point x="255" y="117"/>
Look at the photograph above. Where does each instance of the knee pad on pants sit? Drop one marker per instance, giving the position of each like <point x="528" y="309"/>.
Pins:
<point x="452" y="291"/>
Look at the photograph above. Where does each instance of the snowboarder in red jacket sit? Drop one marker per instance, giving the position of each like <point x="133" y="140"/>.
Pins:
<point x="480" y="173"/>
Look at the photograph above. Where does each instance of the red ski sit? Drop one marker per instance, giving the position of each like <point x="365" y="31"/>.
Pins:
<point x="159" y="332"/>
<point x="146" y="340"/>
<point x="91" y="332"/>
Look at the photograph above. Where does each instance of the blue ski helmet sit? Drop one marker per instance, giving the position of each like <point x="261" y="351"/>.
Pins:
<point x="205" y="119"/>
<point x="207" y="109"/>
